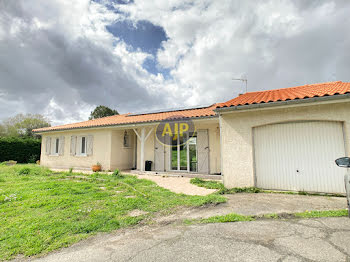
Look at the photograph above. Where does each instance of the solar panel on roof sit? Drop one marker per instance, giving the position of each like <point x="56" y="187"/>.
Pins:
<point x="169" y="110"/>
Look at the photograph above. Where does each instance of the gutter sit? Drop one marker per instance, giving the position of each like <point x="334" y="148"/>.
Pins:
<point x="282" y="103"/>
<point x="131" y="125"/>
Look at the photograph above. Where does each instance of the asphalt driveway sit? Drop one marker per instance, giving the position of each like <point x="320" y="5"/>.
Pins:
<point x="322" y="239"/>
<point x="259" y="204"/>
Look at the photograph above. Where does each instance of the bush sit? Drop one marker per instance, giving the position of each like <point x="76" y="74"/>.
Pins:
<point x="22" y="150"/>
<point x="31" y="170"/>
<point x="117" y="173"/>
<point x="24" y="171"/>
<point x="221" y="188"/>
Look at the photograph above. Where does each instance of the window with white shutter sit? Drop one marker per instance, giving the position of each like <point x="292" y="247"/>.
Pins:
<point x="61" y="146"/>
<point x="73" y="145"/>
<point x="55" y="146"/>
<point x="48" y="146"/>
<point x="89" y="145"/>
<point x="82" y="144"/>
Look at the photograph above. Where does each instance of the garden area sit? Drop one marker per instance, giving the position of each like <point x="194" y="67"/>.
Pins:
<point x="42" y="210"/>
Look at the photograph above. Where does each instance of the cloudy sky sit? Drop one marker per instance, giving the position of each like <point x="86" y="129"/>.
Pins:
<point x="61" y="58"/>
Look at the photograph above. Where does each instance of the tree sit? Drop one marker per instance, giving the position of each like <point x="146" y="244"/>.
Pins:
<point x="102" y="111"/>
<point x="22" y="125"/>
<point x="2" y="130"/>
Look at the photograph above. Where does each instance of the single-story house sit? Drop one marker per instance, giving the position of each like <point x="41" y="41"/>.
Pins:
<point x="284" y="139"/>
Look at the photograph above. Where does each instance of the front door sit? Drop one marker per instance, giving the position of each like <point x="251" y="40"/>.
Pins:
<point x="192" y="156"/>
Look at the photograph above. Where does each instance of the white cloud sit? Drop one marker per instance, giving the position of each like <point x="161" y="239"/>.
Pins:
<point x="57" y="57"/>
<point x="61" y="51"/>
<point x="273" y="43"/>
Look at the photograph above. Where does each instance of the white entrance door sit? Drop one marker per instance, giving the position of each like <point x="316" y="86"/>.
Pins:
<point x="203" y="151"/>
<point x="159" y="154"/>
<point x="299" y="156"/>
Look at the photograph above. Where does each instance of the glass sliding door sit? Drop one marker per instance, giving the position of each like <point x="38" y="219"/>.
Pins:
<point x="184" y="155"/>
<point x="183" y="152"/>
<point x="192" y="145"/>
<point x="174" y="153"/>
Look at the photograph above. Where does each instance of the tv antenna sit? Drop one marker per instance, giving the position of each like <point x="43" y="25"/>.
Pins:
<point x="243" y="80"/>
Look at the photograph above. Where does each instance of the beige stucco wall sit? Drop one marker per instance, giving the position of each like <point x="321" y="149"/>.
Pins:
<point x="108" y="148"/>
<point x="101" y="150"/>
<point x="122" y="158"/>
<point x="214" y="145"/>
<point x="237" y="138"/>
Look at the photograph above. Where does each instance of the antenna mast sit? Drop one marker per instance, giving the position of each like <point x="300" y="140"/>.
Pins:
<point x="243" y="80"/>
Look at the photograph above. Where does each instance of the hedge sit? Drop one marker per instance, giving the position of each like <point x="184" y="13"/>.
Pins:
<point x="22" y="150"/>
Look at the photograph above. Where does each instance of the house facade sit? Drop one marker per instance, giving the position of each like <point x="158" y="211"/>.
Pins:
<point x="284" y="139"/>
<point x="126" y="141"/>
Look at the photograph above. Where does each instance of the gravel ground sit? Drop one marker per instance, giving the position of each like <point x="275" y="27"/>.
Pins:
<point x="178" y="185"/>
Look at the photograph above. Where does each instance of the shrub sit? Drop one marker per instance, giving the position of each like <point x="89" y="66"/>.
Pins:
<point x="32" y="159"/>
<point x="22" y="150"/>
<point x="31" y="170"/>
<point x="117" y="173"/>
<point x="24" y="171"/>
<point x="221" y="188"/>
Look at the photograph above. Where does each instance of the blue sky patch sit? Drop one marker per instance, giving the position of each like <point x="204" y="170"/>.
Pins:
<point x="152" y="66"/>
<point x="144" y="35"/>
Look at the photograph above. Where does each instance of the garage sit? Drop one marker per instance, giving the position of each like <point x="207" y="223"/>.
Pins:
<point x="299" y="156"/>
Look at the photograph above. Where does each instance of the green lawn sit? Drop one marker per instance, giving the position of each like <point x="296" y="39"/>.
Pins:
<point x="41" y="211"/>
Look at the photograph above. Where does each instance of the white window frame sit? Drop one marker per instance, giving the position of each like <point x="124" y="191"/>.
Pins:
<point x="80" y="153"/>
<point x="54" y="146"/>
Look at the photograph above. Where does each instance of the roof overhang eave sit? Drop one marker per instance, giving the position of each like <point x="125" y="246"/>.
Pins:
<point x="128" y="125"/>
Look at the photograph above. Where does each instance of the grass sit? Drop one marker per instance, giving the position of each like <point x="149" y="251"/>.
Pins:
<point x="233" y="217"/>
<point x="326" y="213"/>
<point x="222" y="190"/>
<point x="41" y="210"/>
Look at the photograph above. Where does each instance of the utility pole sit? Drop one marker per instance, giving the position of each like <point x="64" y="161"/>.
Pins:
<point x="243" y="80"/>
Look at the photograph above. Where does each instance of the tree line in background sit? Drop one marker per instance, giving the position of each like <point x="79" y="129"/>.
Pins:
<point x="21" y="125"/>
<point x="17" y="141"/>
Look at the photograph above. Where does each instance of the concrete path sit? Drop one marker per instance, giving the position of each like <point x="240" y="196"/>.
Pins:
<point x="180" y="185"/>
<point x="261" y="203"/>
<point x="323" y="239"/>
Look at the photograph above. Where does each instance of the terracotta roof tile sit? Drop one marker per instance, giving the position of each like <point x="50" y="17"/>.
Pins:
<point x="133" y="119"/>
<point x="291" y="93"/>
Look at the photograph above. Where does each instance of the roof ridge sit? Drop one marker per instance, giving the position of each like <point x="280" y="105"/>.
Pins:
<point x="290" y="93"/>
<point x="283" y="88"/>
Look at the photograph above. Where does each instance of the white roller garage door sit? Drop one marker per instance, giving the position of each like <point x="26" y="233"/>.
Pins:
<point x="299" y="156"/>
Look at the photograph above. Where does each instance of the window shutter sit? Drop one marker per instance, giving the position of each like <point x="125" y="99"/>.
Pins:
<point x="48" y="146"/>
<point x="90" y="145"/>
<point x="73" y="143"/>
<point x="61" y="146"/>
